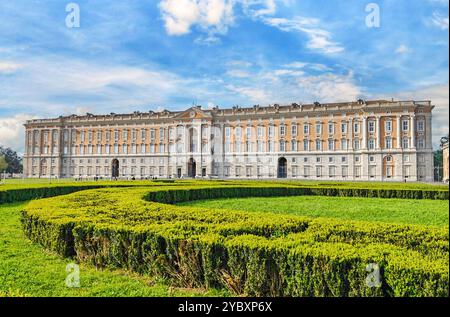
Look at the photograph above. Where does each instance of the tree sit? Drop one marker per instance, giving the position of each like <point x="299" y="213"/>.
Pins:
<point x="13" y="160"/>
<point x="3" y="163"/>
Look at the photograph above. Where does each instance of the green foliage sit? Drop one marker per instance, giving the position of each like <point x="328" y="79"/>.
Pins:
<point x="3" y="163"/>
<point x="250" y="253"/>
<point x="26" y="270"/>
<point x="407" y="211"/>
<point x="12" y="159"/>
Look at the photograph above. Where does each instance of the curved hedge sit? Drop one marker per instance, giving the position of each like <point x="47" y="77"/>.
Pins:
<point x="249" y="253"/>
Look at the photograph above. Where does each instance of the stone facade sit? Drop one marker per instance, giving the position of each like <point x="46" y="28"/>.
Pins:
<point x="363" y="140"/>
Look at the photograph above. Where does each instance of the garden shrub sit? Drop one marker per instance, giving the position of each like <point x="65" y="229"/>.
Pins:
<point x="253" y="254"/>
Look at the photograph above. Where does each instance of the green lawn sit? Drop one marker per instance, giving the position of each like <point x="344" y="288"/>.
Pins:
<point x="27" y="270"/>
<point x="406" y="211"/>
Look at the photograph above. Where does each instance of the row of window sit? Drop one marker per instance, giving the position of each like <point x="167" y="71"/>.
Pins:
<point x="237" y="147"/>
<point x="238" y="131"/>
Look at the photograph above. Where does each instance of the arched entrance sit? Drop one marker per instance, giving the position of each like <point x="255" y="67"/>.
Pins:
<point x="115" y="168"/>
<point x="43" y="171"/>
<point x="192" y="168"/>
<point x="282" y="167"/>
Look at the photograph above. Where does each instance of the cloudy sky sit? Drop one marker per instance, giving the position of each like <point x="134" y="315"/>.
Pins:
<point x="153" y="55"/>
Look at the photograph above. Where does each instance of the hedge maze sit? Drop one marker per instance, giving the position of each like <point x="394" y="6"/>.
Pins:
<point x="249" y="253"/>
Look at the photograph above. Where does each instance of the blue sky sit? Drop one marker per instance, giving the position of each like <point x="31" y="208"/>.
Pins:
<point x="153" y="55"/>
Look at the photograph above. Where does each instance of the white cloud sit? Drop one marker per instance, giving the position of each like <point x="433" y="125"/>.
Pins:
<point x="329" y="87"/>
<point x="238" y="73"/>
<point x="9" y="67"/>
<point x="440" y="21"/>
<point x="257" y="8"/>
<point x="439" y="96"/>
<point x="288" y="72"/>
<point x="319" y="39"/>
<point x="402" y="49"/>
<point x="254" y="94"/>
<point x="12" y="132"/>
<point x="213" y="16"/>
<point x="313" y="66"/>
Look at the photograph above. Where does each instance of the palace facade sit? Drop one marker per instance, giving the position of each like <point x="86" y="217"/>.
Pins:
<point x="362" y="140"/>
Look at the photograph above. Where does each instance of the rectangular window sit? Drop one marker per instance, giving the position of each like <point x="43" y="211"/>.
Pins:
<point x="305" y="145"/>
<point x="331" y="171"/>
<point x="357" y="171"/>
<point x="344" y="171"/>
<point x="282" y="130"/>
<point x="318" y="145"/>
<point x="356" y="127"/>
<point x="371" y="126"/>
<point x="420" y="125"/>
<point x="330" y="128"/>
<point x="260" y="131"/>
<point x="152" y="134"/>
<point x="318" y="128"/>
<point x="330" y="145"/>
<point x="306" y="129"/>
<point x="271" y="147"/>
<point x="420" y="143"/>
<point x="238" y="132"/>
<point x="227" y="132"/>
<point x="260" y="146"/>
<point x="405" y="125"/>
<point x="248" y="146"/>
<point x="356" y="144"/>
<point x="318" y="171"/>
<point x="271" y="131"/>
<point x="249" y="132"/>
<point x="282" y="146"/>
<point x="344" y="127"/>
<point x="125" y="135"/>
<point x="306" y="171"/>
<point x="143" y="134"/>
<point x="388" y="126"/>
<point x="405" y="143"/>
<point x="388" y="143"/>
<point x="294" y="130"/>
<point x="344" y="144"/>
<point x="294" y="145"/>
<point x="371" y="144"/>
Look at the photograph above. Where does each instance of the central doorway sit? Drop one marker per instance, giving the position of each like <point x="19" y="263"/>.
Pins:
<point x="282" y="168"/>
<point x="192" y="168"/>
<point x="115" y="168"/>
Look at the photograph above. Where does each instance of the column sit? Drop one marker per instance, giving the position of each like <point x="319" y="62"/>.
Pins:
<point x="413" y="131"/>
<point x="364" y="131"/>
<point x="378" y="129"/>
<point x="350" y="133"/>
<point x="399" y="132"/>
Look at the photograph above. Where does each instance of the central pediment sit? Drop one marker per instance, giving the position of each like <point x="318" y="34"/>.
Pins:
<point x="193" y="113"/>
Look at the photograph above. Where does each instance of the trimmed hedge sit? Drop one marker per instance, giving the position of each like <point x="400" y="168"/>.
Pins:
<point x="188" y="194"/>
<point x="252" y="254"/>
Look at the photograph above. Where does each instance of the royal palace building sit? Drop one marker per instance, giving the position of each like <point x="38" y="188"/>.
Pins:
<point x="363" y="140"/>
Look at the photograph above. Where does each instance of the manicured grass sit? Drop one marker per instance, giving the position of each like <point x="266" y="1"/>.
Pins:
<point x="26" y="269"/>
<point x="405" y="211"/>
